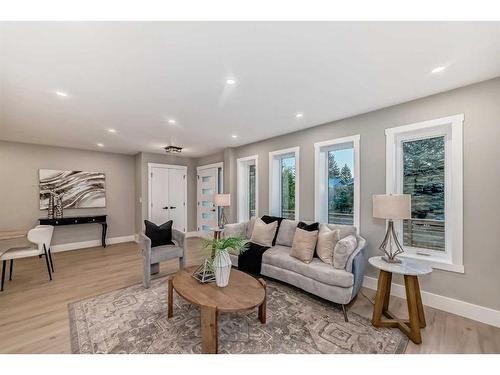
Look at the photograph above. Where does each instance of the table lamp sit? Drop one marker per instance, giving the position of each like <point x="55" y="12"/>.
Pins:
<point x="391" y="207"/>
<point x="222" y="200"/>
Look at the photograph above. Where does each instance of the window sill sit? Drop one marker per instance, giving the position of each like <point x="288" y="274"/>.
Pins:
<point x="440" y="264"/>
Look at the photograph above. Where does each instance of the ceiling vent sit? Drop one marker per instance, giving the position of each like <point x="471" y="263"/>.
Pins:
<point x="173" y="150"/>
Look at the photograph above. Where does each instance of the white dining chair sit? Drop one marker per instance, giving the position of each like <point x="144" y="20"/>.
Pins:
<point x="40" y="238"/>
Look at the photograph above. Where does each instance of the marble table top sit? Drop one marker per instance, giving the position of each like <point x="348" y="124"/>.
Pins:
<point x="406" y="267"/>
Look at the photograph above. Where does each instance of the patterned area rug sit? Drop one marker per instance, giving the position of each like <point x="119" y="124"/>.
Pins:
<point x="134" y="320"/>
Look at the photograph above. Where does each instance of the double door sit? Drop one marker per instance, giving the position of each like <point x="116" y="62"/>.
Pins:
<point x="167" y="195"/>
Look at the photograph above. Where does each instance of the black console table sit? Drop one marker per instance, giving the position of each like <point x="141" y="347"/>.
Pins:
<point x="101" y="219"/>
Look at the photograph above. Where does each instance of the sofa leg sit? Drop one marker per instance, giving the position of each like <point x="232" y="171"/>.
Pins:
<point x="345" y="313"/>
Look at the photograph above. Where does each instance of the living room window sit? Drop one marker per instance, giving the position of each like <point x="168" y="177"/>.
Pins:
<point x="425" y="160"/>
<point x="247" y="187"/>
<point x="337" y="181"/>
<point x="284" y="183"/>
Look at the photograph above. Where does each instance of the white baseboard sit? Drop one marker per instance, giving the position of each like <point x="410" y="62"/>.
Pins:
<point x="91" y="243"/>
<point x="198" y="234"/>
<point x="451" y="305"/>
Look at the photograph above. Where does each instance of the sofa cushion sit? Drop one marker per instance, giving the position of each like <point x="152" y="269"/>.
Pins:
<point x="286" y="232"/>
<point x="344" y="230"/>
<point x="343" y="250"/>
<point x="279" y="256"/>
<point x="249" y="229"/>
<point x="304" y="243"/>
<point x="263" y="234"/>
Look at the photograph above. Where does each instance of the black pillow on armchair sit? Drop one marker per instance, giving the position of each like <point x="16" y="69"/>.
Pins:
<point x="159" y="234"/>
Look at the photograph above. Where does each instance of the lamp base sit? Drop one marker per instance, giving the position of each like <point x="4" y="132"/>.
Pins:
<point x="389" y="260"/>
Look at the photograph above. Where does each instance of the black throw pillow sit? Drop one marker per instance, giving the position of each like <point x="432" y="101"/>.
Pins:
<point x="270" y="219"/>
<point x="308" y="227"/>
<point x="159" y="234"/>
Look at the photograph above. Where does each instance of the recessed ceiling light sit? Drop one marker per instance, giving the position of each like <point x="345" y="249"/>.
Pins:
<point x="230" y="81"/>
<point x="299" y="115"/>
<point x="171" y="121"/>
<point x="100" y="145"/>
<point x="438" y="69"/>
<point x="111" y="130"/>
<point x="62" y="94"/>
<point x="234" y="136"/>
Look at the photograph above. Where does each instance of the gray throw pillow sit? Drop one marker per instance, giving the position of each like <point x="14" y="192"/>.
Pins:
<point x="343" y="250"/>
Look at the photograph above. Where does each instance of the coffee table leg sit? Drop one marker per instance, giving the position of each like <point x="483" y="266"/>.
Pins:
<point x="263" y="306"/>
<point x="170" y="297"/>
<point x="209" y="337"/>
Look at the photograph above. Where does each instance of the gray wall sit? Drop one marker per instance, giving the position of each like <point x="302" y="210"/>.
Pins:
<point x="481" y="105"/>
<point x="19" y="193"/>
<point x="141" y="163"/>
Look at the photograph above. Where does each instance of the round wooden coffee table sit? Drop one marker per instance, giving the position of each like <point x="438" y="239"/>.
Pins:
<point x="243" y="293"/>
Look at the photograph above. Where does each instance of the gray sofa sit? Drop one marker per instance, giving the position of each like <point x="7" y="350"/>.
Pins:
<point x="321" y="279"/>
<point x="152" y="256"/>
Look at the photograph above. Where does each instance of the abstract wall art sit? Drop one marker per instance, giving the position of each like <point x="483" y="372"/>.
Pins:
<point x="77" y="189"/>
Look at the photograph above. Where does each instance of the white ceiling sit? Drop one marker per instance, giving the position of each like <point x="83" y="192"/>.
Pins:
<point x="133" y="76"/>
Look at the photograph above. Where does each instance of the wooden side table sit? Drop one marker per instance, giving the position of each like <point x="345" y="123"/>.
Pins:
<point x="410" y="270"/>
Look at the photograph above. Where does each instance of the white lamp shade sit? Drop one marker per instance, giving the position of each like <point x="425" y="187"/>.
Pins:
<point x="222" y="200"/>
<point x="394" y="206"/>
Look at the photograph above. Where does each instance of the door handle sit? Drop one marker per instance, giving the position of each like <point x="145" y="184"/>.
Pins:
<point x="173" y="207"/>
<point x="165" y="208"/>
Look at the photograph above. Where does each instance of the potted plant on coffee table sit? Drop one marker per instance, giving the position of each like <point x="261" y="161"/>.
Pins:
<point x="221" y="262"/>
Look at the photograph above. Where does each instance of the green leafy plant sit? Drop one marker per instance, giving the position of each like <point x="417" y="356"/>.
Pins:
<point x="237" y="244"/>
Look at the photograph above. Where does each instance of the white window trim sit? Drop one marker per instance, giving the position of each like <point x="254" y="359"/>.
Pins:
<point x="320" y="188"/>
<point x="242" y="199"/>
<point x="273" y="179"/>
<point x="453" y="261"/>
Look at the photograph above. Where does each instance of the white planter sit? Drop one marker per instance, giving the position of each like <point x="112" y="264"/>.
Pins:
<point x="222" y="268"/>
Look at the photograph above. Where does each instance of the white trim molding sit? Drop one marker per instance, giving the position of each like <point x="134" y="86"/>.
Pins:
<point x="213" y="165"/>
<point x="451" y="128"/>
<point x="454" y="306"/>
<point x="168" y="166"/>
<point x="92" y="243"/>
<point x="242" y="181"/>
<point x="275" y="195"/>
<point x="321" y="186"/>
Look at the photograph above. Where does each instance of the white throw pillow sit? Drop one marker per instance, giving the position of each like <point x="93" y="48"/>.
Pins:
<point x="327" y="240"/>
<point x="263" y="234"/>
<point x="343" y="250"/>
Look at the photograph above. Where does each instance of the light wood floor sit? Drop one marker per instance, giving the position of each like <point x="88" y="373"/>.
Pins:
<point x="34" y="311"/>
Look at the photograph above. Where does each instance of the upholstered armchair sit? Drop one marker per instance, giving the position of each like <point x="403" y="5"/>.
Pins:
<point x="152" y="256"/>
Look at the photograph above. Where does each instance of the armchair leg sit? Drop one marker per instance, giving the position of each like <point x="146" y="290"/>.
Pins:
<point x="11" y="268"/>
<point x="51" y="264"/>
<point x="4" y="264"/>
<point x="47" y="262"/>
<point x="182" y="262"/>
<point x="345" y="313"/>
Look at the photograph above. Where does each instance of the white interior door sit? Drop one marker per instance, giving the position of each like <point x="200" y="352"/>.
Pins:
<point x="167" y="195"/>
<point x="207" y="187"/>
<point x="158" y="199"/>
<point x="176" y="198"/>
